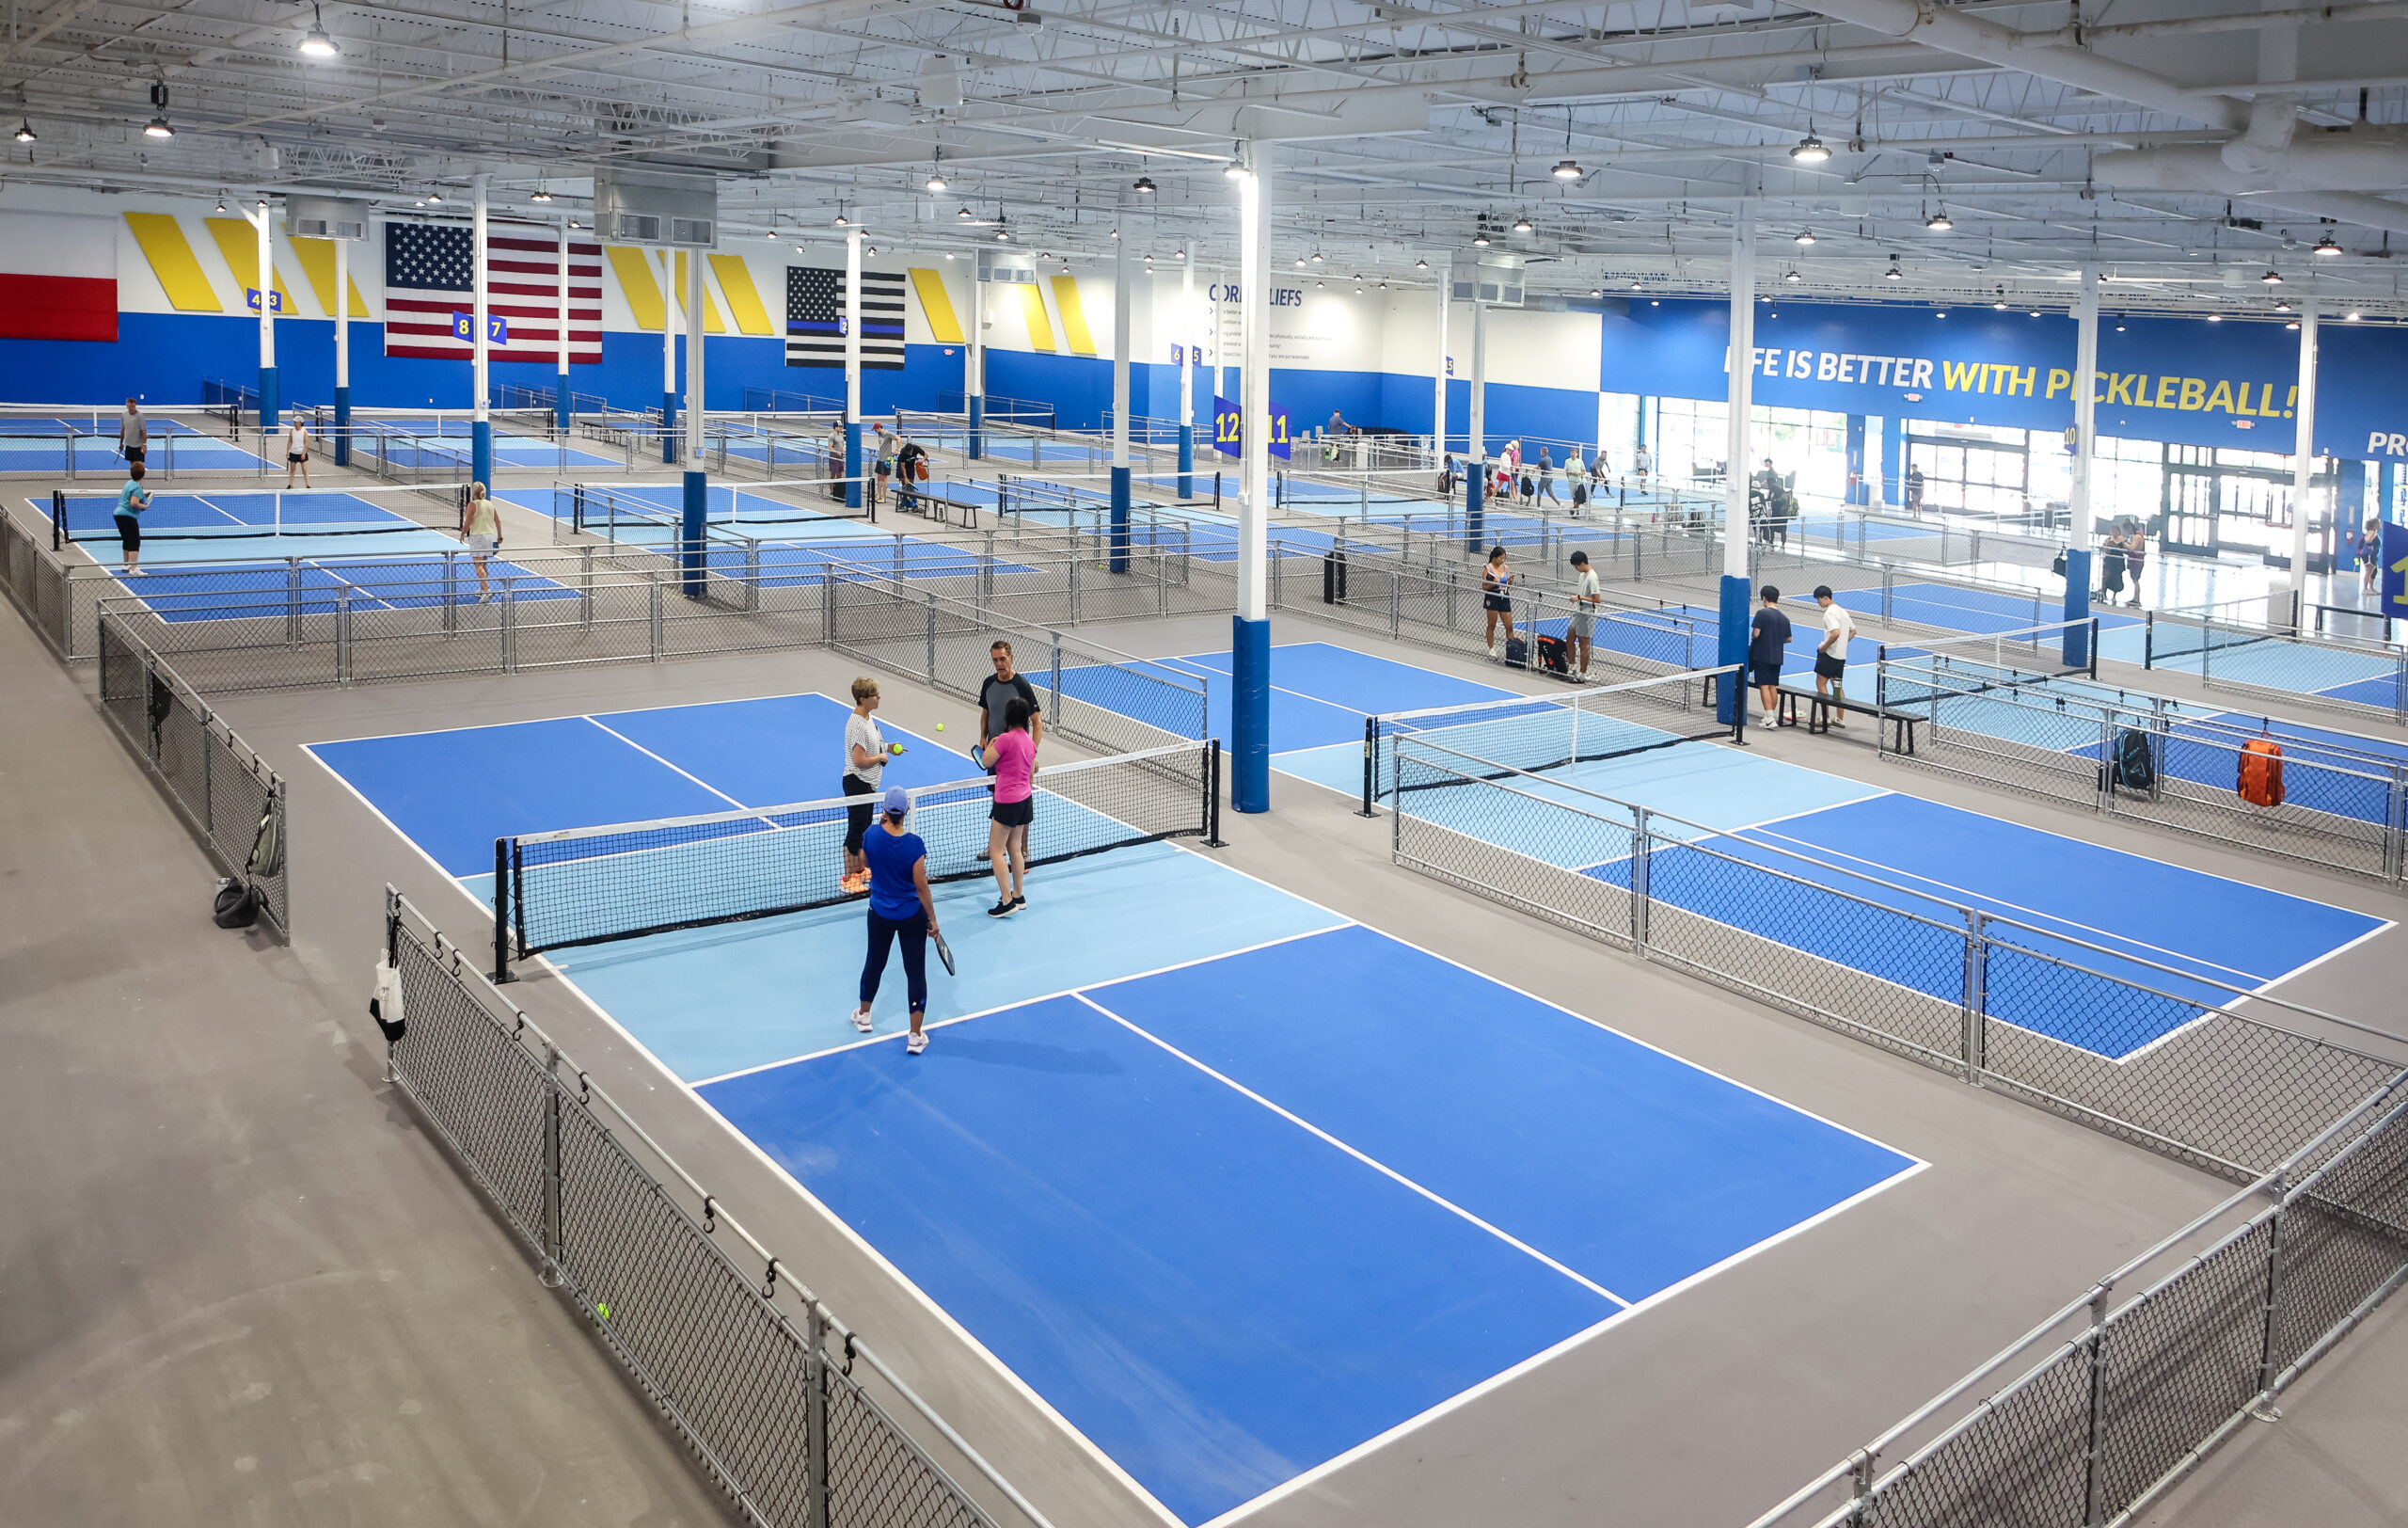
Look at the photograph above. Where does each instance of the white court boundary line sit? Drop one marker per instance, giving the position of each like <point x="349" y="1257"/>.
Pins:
<point x="1085" y="1444"/>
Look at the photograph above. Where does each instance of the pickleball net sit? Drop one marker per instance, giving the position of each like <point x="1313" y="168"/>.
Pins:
<point x="592" y="886"/>
<point x="1538" y="734"/>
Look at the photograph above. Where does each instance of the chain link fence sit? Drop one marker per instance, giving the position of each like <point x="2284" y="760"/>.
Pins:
<point x="782" y="1405"/>
<point x="228" y="794"/>
<point x="2320" y="799"/>
<point x="2358" y="674"/>
<point x="2225" y="1079"/>
<point x="2120" y="1401"/>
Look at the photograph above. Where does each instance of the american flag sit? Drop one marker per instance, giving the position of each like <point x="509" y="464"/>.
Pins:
<point x="816" y="318"/>
<point x="430" y="274"/>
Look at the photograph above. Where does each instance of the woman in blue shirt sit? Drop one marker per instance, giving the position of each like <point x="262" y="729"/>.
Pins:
<point x="900" y="907"/>
<point x="131" y="501"/>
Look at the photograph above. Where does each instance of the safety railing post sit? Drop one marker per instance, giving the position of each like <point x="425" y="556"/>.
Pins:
<point x="1976" y="997"/>
<point x="2395" y="840"/>
<point x="343" y="636"/>
<point x="827" y="607"/>
<point x="815" y="1419"/>
<point x="555" y="1238"/>
<point x="2106" y="797"/>
<point x="509" y="625"/>
<point x="1057" y="669"/>
<point x="1075" y="562"/>
<point x="451" y="592"/>
<point x="1370" y="766"/>
<point x="1396" y="602"/>
<point x="932" y="638"/>
<point x="585" y="588"/>
<point x="293" y="602"/>
<point x="2270" y="1333"/>
<point x="2095" y="1444"/>
<point x="655" y="620"/>
<point x="1641" y="840"/>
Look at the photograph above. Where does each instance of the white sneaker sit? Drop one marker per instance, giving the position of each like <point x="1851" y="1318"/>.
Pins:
<point x="917" y="1043"/>
<point x="862" y="1021"/>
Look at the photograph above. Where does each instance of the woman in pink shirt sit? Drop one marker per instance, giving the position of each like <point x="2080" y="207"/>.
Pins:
<point x="1013" y="755"/>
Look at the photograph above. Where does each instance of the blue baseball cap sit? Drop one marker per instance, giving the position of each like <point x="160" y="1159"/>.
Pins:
<point x="898" y="801"/>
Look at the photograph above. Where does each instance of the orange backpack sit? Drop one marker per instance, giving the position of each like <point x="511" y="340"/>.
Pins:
<point x="2262" y="773"/>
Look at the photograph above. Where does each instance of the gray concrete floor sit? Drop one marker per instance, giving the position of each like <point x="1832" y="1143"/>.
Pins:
<point x="327" y="1310"/>
<point x="241" y="1284"/>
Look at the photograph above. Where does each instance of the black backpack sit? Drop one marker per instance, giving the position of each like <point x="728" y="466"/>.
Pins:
<point x="2134" y="765"/>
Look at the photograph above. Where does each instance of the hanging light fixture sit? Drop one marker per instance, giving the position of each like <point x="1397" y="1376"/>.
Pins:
<point x="842" y="223"/>
<point x="1523" y="225"/>
<point x="221" y="201"/>
<point x="1144" y="186"/>
<point x="1805" y="236"/>
<point x="318" y="44"/>
<point x="1939" y="221"/>
<point x="1793" y="276"/>
<point x="1596" y="291"/>
<point x="1420" y="264"/>
<point x="434" y="199"/>
<point x="1316" y="257"/>
<point x="1567" y="169"/>
<point x="159" y="128"/>
<point x="25" y="130"/>
<point x="1810" y="150"/>
<point x="1634" y="284"/>
<point x="1894" y="273"/>
<point x="543" y="193"/>
<point x="1480" y="239"/>
<point x="2349" y="317"/>
<point x="936" y="179"/>
<point x="2215" y="318"/>
<point x="2001" y="303"/>
<point x="2272" y="279"/>
<point x="2326" y="246"/>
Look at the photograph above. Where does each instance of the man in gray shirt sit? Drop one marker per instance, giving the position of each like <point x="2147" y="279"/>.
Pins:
<point x="999" y="691"/>
<point x="133" y="433"/>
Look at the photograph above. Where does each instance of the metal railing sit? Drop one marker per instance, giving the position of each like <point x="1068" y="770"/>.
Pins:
<point x="2148" y="758"/>
<point x="2167" y="1057"/>
<point x="2125" y="1400"/>
<point x="2344" y="673"/>
<point x="780" y="1401"/>
<point x="228" y="794"/>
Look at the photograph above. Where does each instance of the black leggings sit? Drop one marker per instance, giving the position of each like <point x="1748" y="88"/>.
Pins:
<point x="857" y="819"/>
<point x="914" y="933"/>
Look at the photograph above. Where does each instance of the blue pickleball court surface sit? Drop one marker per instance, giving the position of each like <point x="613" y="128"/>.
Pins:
<point x="1235" y="1184"/>
<point x="1974" y="610"/>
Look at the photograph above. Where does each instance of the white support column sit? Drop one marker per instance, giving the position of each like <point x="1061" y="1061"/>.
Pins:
<point x="2085" y="406"/>
<point x="271" y="404"/>
<point x="481" y="298"/>
<point x="1187" y="337"/>
<point x="1741" y="392"/>
<point x="2302" y="460"/>
<point x="1438" y="367"/>
<point x="853" y="325"/>
<point x="668" y="301"/>
<point x="695" y="298"/>
<point x="1476" y="447"/>
<point x="562" y="331"/>
<point x="1254" y="387"/>
<point x="342" y="313"/>
<point x="1120" y="316"/>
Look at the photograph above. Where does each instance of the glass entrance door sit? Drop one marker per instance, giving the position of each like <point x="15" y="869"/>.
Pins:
<point x="2191" y="511"/>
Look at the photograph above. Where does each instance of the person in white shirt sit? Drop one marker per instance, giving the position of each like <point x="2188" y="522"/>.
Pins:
<point x="481" y="528"/>
<point x="1831" y="658"/>
<point x="1576" y="478"/>
<point x="296" y="449"/>
<point x="865" y="755"/>
<point x="1585" y="597"/>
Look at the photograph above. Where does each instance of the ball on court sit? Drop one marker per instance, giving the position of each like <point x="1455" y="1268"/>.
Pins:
<point x="939" y="726"/>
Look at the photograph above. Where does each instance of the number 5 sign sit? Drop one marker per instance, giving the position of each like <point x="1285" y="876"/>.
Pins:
<point x="1228" y="430"/>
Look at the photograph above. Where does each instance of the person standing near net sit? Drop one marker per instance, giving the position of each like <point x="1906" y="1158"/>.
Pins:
<point x="1831" y="659"/>
<point x="1546" y="472"/>
<point x="2135" y="556"/>
<point x="131" y="501"/>
<point x="836" y="463"/>
<point x="481" y="528"/>
<point x="1013" y="757"/>
<point x="1586" y="597"/>
<point x="865" y="758"/>
<point x="901" y="908"/>
<point x="296" y="449"/>
<point x="134" y="434"/>
<point x="885" y="466"/>
<point x="1496" y="597"/>
<point x="1767" y="649"/>
<point x="996" y="693"/>
<point x="1576" y="478"/>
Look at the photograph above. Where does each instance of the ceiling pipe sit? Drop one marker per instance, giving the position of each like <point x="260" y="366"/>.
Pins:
<point x="2274" y="113"/>
<point x="1977" y="38"/>
<point x="2372" y="158"/>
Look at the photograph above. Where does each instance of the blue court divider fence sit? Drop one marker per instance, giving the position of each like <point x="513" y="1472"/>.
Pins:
<point x="2120" y="1396"/>
<point x="2260" y="783"/>
<point x="2227" y="1079"/>
<point x="786" y="1407"/>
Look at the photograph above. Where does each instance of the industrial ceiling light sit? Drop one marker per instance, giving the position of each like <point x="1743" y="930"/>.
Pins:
<point x="2035" y="312"/>
<point x="1300" y="260"/>
<point x="1480" y="240"/>
<point x="842" y="223"/>
<point x="1116" y="233"/>
<point x="1566" y="169"/>
<point x="1522" y="225"/>
<point x="1939" y="221"/>
<point x="1811" y="150"/>
<point x="1596" y="291"/>
<point x="798" y="248"/>
<point x="1805" y="236"/>
<point x="2001" y="303"/>
<point x="2281" y="306"/>
<point x="159" y="128"/>
<point x="318" y="44"/>
<point x="221" y="201"/>
<point x="2215" y="318"/>
<point x="25" y="130"/>
<point x="1634" y="284"/>
<point x="2326" y="246"/>
<point x="1420" y="264"/>
<point x="1144" y="186"/>
<point x="1894" y="273"/>
<point x="1316" y="257"/>
<point x="869" y="248"/>
<point x="544" y="193"/>
<point x="936" y="180"/>
<point x="1793" y="276"/>
<point x="434" y="199"/>
<point x="1235" y="170"/>
<point x="2273" y="279"/>
<point x="2292" y="325"/>
<point x="2349" y="318"/>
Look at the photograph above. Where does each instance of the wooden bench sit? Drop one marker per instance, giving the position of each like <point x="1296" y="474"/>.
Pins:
<point x="1820" y="707"/>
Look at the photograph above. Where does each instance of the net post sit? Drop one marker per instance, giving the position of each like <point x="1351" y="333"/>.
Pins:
<point x="1212" y="838"/>
<point x="58" y="519"/>
<point x="2093" y="646"/>
<point x="501" y="900"/>
<point x="1739" y="706"/>
<point x="1370" y="764"/>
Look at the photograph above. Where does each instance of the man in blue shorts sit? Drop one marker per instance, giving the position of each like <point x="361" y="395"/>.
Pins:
<point x="1767" y="648"/>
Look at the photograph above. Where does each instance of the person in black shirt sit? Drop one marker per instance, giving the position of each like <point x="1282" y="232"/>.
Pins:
<point x="1767" y="648"/>
<point x="906" y="475"/>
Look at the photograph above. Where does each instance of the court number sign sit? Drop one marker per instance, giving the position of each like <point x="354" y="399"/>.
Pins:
<point x="464" y="327"/>
<point x="274" y="299"/>
<point x="1229" y="431"/>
